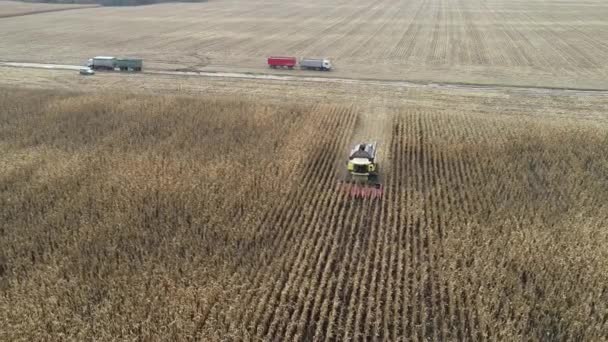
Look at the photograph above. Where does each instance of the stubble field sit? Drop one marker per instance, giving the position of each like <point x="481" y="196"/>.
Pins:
<point x="541" y="43"/>
<point x="166" y="217"/>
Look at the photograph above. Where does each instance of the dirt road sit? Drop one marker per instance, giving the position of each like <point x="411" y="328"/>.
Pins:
<point x="329" y="79"/>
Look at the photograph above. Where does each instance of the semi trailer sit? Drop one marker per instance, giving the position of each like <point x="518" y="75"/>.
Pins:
<point x="280" y="62"/>
<point x="113" y="63"/>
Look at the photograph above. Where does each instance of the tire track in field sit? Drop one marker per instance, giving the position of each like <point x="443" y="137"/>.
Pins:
<point x="219" y="41"/>
<point x="437" y="53"/>
<point x="304" y="47"/>
<point x="404" y="47"/>
<point x="261" y="28"/>
<point x="514" y="41"/>
<point x="285" y="34"/>
<point x="370" y="48"/>
<point x="376" y="19"/>
<point x="332" y="39"/>
<point x="478" y="42"/>
<point x="576" y="57"/>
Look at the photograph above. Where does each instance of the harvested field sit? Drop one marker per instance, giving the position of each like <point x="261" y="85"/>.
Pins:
<point x="15" y="8"/>
<point x="541" y="43"/>
<point x="162" y="217"/>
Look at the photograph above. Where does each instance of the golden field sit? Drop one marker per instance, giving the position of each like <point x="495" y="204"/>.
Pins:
<point x="163" y="217"/>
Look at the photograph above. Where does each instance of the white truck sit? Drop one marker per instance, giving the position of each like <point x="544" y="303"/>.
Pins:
<point x="86" y="71"/>
<point x="323" y="64"/>
<point x="102" y="63"/>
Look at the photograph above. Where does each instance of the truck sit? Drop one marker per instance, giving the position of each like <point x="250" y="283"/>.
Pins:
<point x="102" y="63"/>
<point x="113" y="63"/>
<point x="281" y="61"/>
<point x="86" y="71"/>
<point x="323" y="64"/>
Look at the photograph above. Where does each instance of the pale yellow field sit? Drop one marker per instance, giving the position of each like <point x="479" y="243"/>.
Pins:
<point x="15" y="8"/>
<point x="204" y="218"/>
<point x="540" y="43"/>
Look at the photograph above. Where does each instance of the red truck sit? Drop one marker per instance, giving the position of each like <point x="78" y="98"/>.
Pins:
<point x="277" y="62"/>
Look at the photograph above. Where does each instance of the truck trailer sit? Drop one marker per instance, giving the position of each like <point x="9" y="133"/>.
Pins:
<point x="129" y="64"/>
<point x="323" y="64"/>
<point x="113" y="63"/>
<point x="280" y="61"/>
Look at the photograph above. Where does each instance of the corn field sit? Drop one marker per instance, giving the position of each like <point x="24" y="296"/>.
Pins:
<point x="177" y="218"/>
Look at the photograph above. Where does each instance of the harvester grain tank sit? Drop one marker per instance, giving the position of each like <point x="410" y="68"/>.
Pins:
<point x="113" y="63"/>
<point x="323" y="64"/>
<point x="282" y="62"/>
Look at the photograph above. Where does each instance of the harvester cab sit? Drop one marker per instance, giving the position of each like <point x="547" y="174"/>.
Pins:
<point x="361" y="161"/>
<point x="362" y="180"/>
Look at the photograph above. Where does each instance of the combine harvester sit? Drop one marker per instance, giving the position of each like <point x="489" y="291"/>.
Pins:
<point x="363" y="179"/>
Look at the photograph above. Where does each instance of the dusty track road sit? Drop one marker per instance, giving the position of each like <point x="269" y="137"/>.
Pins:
<point x="572" y="105"/>
<point x="329" y="79"/>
